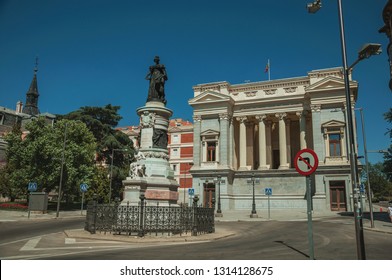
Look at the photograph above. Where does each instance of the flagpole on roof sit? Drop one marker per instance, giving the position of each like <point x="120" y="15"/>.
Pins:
<point x="269" y="70"/>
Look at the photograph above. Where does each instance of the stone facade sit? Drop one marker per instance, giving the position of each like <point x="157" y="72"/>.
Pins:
<point x="256" y="129"/>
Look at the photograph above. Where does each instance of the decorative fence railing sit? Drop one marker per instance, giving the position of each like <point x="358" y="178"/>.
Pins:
<point x="142" y="219"/>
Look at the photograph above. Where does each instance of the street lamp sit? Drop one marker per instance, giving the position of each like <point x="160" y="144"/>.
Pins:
<point x="61" y="172"/>
<point x="312" y="8"/>
<point x="219" y="210"/>
<point x="253" y="214"/>
<point x="111" y="173"/>
<point x="366" y="51"/>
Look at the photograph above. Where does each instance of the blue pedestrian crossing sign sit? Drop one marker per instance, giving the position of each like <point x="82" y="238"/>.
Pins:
<point x="32" y="187"/>
<point x="191" y="192"/>
<point x="362" y="188"/>
<point x="83" y="187"/>
<point x="268" y="191"/>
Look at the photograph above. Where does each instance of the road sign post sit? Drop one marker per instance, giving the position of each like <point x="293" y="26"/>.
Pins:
<point x="268" y="193"/>
<point x="32" y="187"/>
<point x="191" y="193"/>
<point x="306" y="163"/>
<point x="83" y="189"/>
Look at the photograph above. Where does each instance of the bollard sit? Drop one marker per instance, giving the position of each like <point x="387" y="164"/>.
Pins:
<point x="194" y="220"/>
<point x="141" y="229"/>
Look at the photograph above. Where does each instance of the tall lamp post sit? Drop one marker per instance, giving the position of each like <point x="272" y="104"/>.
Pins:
<point x="219" y="210"/>
<point x="61" y="172"/>
<point x="253" y="214"/>
<point x="111" y="173"/>
<point x="364" y="53"/>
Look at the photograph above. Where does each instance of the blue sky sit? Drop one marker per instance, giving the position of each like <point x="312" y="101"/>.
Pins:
<point x="92" y="53"/>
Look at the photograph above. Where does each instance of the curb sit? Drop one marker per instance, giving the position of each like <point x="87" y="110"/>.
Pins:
<point x="81" y="233"/>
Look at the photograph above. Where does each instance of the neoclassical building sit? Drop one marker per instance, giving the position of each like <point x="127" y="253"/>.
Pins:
<point x="256" y="129"/>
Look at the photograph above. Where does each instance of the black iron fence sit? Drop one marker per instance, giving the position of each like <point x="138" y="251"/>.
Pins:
<point x="142" y="219"/>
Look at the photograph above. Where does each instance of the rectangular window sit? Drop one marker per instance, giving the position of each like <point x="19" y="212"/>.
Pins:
<point x="334" y="145"/>
<point x="211" y="151"/>
<point x="175" y="138"/>
<point x="175" y="153"/>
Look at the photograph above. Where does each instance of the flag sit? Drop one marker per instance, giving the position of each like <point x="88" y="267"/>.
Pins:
<point x="267" y="68"/>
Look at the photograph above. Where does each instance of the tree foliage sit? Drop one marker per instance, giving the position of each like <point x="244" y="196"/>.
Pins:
<point x="379" y="183"/>
<point x="388" y="155"/>
<point x="101" y="121"/>
<point x="39" y="157"/>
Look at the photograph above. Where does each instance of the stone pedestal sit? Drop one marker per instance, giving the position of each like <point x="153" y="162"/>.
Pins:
<point x="151" y="174"/>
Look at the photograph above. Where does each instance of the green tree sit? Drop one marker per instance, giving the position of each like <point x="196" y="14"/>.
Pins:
<point x="13" y="177"/>
<point x="101" y="121"/>
<point x="38" y="158"/>
<point x="79" y="153"/>
<point x="388" y="155"/>
<point x="379" y="183"/>
<point x="99" y="185"/>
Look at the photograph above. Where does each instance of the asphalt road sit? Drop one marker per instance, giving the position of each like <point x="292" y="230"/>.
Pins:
<point x="334" y="239"/>
<point x="11" y="231"/>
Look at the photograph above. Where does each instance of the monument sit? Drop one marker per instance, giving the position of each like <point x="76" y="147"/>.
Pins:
<point x="150" y="175"/>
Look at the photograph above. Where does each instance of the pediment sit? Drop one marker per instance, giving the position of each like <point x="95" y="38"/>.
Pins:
<point x="174" y="129"/>
<point x="329" y="83"/>
<point x="209" y="132"/>
<point x="209" y="96"/>
<point x="333" y="123"/>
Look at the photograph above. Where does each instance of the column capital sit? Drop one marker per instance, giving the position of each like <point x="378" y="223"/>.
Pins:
<point x="315" y="108"/>
<point x="224" y="116"/>
<point x="242" y="119"/>
<point x="281" y="116"/>
<point x="196" y="118"/>
<point x="261" y="118"/>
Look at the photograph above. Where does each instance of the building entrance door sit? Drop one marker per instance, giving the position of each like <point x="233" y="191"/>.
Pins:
<point x="337" y="191"/>
<point x="209" y="195"/>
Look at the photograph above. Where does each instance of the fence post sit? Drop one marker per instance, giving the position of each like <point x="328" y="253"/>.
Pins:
<point x="141" y="228"/>
<point x="115" y="225"/>
<point x="194" y="218"/>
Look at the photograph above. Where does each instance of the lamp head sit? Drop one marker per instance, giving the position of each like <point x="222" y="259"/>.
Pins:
<point x="314" y="7"/>
<point x="368" y="50"/>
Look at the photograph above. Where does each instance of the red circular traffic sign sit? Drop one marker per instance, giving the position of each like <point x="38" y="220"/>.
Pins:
<point x="306" y="162"/>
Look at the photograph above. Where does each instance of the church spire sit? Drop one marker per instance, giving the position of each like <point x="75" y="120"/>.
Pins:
<point x="32" y="95"/>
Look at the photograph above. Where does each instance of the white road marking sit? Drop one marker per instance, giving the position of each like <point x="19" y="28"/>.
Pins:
<point x="30" y="245"/>
<point x="69" y="241"/>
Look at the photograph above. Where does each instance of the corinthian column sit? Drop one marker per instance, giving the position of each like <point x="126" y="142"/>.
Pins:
<point x="282" y="141"/>
<point x="262" y="143"/>
<point x="224" y="140"/>
<point x="242" y="121"/>
<point x="302" y="129"/>
<point x="196" y="139"/>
